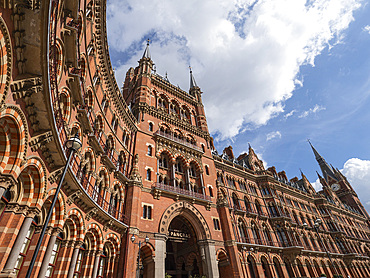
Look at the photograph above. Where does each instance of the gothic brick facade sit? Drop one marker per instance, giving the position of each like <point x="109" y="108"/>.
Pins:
<point x="147" y="194"/>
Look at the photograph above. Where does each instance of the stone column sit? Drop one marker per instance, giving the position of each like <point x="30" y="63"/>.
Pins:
<point x="201" y="182"/>
<point x="208" y="255"/>
<point x="12" y="259"/>
<point x="160" y="255"/>
<point x="49" y="250"/>
<point x="173" y="174"/>
<point x="96" y="264"/>
<point x="72" y="265"/>
<point x="187" y="178"/>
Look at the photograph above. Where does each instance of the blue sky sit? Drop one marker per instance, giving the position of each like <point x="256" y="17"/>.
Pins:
<point x="274" y="73"/>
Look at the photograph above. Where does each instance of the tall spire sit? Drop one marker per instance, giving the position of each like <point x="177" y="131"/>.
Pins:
<point x="325" y="168"/>
<point x="193" y="84"/>
<point x="147" y="52"/>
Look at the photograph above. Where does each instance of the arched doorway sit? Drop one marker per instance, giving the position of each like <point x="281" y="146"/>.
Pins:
<point x="182" y="250"/>
<point x="184" y="245"/>
<point x="224" y="267"/>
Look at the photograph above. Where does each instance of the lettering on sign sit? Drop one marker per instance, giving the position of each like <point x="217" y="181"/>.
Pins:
<point x="178" y="235"/>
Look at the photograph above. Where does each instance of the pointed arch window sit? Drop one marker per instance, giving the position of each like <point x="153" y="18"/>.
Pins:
<point x="163" y="161"/>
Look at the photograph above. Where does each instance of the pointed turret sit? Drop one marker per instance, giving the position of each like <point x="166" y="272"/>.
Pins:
<point x="196" y="93"/>
<point x="147" y="52"/>
<point x="193" y="84"/>
<point x="325" y="168"/>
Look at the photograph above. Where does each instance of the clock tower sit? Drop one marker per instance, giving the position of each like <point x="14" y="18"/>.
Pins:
<point x="339" y="184"/>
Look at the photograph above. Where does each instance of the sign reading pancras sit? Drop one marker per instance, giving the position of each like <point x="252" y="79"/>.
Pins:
<point x="178" y="235"/>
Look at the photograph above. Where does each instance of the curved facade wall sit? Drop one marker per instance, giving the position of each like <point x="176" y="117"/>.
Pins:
<point x="147" y="168"/>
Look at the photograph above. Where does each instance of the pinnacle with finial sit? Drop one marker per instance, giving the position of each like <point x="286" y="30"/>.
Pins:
<point x="147" y="52"/>
<point x="193" y="84"/>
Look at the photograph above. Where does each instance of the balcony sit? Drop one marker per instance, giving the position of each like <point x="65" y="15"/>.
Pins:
<point x="178" y="140"/>
<point x="96" y="141"/>
<point x="84" y="116"/>
<point x="180" y="191"/>
<point x="279" y="216"/>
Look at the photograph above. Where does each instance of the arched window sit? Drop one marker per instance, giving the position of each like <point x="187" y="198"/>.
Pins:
<point x="178" y="165"/>
<point x="266" y="234"/>
<point x="243" y="232"/>
<point x="281" y="235"/>
<point x="192" y="171"/>
<point x="236" y="202"/>
<point x="247" y="204"/>
<point x="256" y="234"/>
<point x="163" y="161"/>
<point x="150" y="150"/>
<point x="121" y="163"/>
<point x="150" y="126"/>
<point x="210" y="191"/>
<point x="258" y="207"/>
<point x="207" y="170"/>
<point x="98" y="189"/>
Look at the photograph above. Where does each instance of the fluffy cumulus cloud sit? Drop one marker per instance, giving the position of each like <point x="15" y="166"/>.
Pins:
<point x="357" y="172"/>
<point x="245" y="55"/>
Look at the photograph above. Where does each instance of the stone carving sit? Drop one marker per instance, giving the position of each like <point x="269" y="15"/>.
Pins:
<point x="91" y="213"/>
<point x="72" y="198"/>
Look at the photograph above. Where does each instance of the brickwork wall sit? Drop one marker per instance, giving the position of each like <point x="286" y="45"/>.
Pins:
<point x="147" y="162"/>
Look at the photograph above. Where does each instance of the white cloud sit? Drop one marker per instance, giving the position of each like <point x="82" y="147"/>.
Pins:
<point x="366" y="29"/>
<point x="317" y="108"/>
<point x="245" y="54"/>
<point x="317" y="185"/>
<point x="287" y="115"/>
<point x="357" y="172"/>
<point x="273" y="135"/>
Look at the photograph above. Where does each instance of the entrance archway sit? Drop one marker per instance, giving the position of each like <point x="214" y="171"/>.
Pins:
<point x="183" y="257"/>
<point x="186" y="240"/>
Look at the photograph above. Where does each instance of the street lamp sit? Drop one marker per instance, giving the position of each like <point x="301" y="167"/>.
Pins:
<point x="316" y="225"/>
<point x="73" y="144"/>
<point x="138" y="261"/>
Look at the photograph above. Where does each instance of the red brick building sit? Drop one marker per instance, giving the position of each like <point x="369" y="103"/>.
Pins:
<point x="147" y="175"/>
